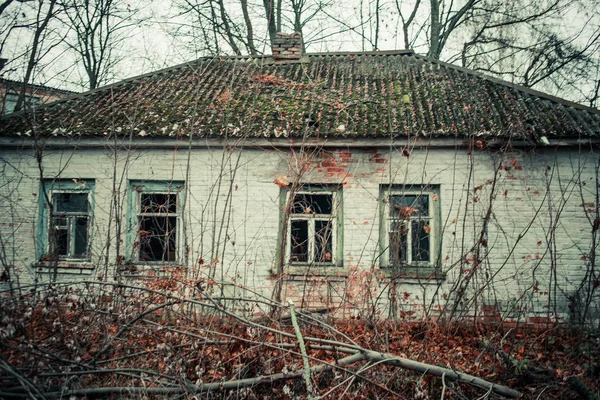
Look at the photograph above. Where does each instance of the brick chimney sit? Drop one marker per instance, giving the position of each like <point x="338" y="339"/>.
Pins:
<point x="287" y="47"/>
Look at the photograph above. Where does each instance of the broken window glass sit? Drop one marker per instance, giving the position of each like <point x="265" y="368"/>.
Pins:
<point x="62" y="236"/>
<point x="398" y="242"/>
<point x="409" y="229"/>
<point x="158" y="236"/>
<point x="308" y="203"/>
<point x="323" y="241"/>
<point x="311" y="231"/>
<point x="299" y="243"/>
<point x="157" y="222"/>
<point x="159" y="203"/>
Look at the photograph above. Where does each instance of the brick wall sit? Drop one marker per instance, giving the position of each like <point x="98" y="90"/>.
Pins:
<point x="287" y="46"/>
<point x="534" y="256"/>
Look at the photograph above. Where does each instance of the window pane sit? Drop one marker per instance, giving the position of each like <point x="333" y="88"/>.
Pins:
<point x="62" y="241"/>
<point x="60" y="222"/>
<point x="398" y="243"/>
<point x="10" y="102"/>
<point x="81" y="238"/>
<point x="70" y="202"/>
<point x="323" y="242"/>
<point x="409" y="206"/>
<point x="420" y="240"/>
<point x="299" y="241"/>
<point x="158" y="238"/>
<point x="308" y="203"/>
<point x="159" y="203"/>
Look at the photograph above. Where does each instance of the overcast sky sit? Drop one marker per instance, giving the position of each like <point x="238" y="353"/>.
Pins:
<point x="166" y="38"/>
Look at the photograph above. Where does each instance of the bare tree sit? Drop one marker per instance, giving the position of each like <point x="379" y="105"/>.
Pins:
<point x="303" y="12"/>
<point x="443" y="22"/>
<point x="407" y="22"/>
<point x="221" y="32"/>
<point x="8" y="24"/>
<point x="45" y="11"/>
<point x="98" y="27"/>
<point x="525" y="45"/>
<point x="4" y="4"/>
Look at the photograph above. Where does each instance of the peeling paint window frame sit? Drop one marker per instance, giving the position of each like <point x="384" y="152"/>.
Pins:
<point x="139" y="188"/>
<point x="335" y="223"/>
<point x="46" y="225"/>
<point x="433" y="218"/>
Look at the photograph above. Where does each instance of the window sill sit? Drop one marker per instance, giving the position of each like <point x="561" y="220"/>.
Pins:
<point x="64" y="267"/>
<point x="427" y="274"/>
<point x="78" y="264"/>
<point x="137" y="267"/>
<point x="317" y="270"/>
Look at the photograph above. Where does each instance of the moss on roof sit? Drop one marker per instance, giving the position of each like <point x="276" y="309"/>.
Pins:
<point x="378" y="94"/>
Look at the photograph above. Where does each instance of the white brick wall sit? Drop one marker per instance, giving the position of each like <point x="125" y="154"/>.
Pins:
<point x="232" y="215"/>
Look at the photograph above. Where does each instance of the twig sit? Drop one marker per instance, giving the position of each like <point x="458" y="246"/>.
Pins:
<point x="444" y="386"/>
<point x="486" y="395"/>
<point x="26" y="383"/>
<point x="130" y="324"/>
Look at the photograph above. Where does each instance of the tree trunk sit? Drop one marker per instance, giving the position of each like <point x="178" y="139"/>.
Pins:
<point x="435" y="30"/>
<point x="227" y="27"/>
<point x="271" y="23"/>
<point x="249" y="31"/>
<point x="40" y="28"/>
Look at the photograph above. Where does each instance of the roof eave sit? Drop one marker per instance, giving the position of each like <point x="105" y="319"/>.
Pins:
<point x="83" y="142"/>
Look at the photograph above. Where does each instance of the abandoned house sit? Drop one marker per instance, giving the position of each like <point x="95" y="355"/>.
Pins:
<point x="370" y="183"/>
<point x="34" y="95"/>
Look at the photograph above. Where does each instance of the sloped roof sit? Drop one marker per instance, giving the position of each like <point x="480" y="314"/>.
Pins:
<point x="377" y="94"/>
<point x="10" y="84"/>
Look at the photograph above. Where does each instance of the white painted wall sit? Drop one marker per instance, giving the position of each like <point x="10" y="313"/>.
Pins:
<point x="538" y="243"/>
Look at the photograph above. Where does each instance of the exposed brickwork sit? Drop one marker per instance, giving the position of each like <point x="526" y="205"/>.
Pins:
<point x="287" y="46"/>
<point x="515" y="287"/>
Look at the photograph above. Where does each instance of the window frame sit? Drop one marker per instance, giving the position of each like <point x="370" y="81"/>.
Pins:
<point x="336" y="218"/>
<point x="45" y="225"/>
<point x="410" y="268"/>
<point x="136" y="189"/>
<point x="31" y="101"/>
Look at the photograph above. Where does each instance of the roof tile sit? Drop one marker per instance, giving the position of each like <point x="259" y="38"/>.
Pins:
<point x="382" y="94"/>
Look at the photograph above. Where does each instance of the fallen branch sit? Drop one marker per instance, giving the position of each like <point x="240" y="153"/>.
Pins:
<point x="302" y="346"/>
<point x="190" y="389"/>
<point x="368" y="355"/>
<point x="581" y="389"/>
<point x="355" y="353"/>
<point x="26" y="383"/>
<point x="391" y="359"/>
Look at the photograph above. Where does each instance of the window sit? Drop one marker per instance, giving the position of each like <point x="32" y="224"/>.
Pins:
<point x="313" y="232"/>
<point x="66" y="217"/>
<point x="410" y="225"/>
<point x="154" y="221"/>
<point x="11" y="99"/>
